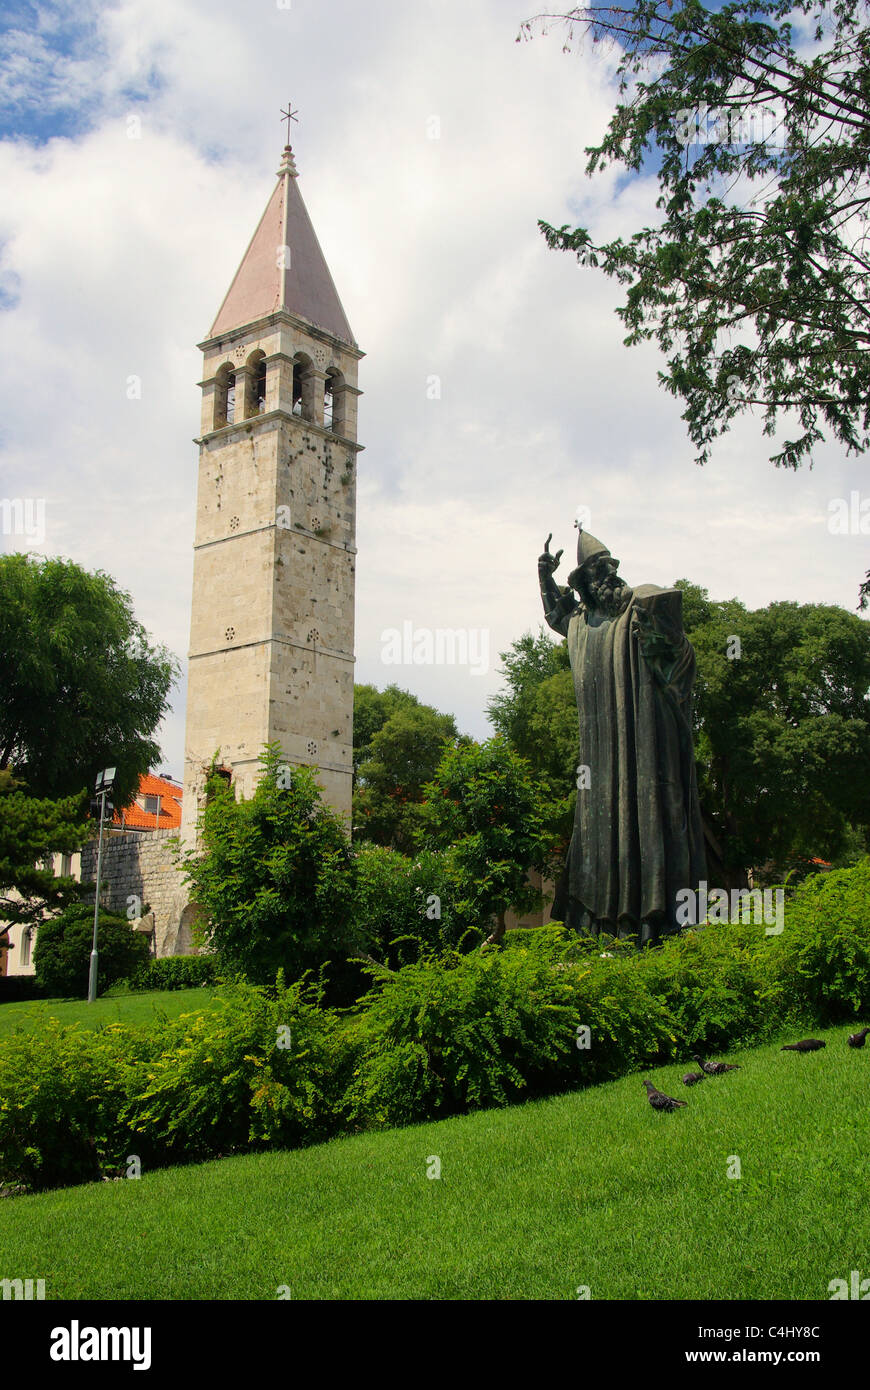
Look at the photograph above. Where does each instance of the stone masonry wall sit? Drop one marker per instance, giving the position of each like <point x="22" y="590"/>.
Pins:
<point x="143" y="866"/>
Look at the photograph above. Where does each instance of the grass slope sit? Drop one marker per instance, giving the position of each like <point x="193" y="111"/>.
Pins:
<point x="137" y="1010"/>
<point x="591" y="1189"/>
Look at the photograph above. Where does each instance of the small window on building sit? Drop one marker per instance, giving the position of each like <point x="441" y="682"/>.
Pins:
<point x="152" y="805"/>
<point x="297" y="388"/>
<point x="254" y="378"/>
<point x="225" y="396"/>
<point x="65" y="865"/>
<point x="24" y="948"/>
<point x="333" y="401"/>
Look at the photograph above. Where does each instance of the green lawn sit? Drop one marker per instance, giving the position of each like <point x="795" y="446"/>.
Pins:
<point x="134" y="1009"/>
<point x="590" y="1189"/>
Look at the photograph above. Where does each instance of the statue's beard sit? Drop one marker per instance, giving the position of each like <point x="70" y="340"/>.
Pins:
<point x="609" y="596"/>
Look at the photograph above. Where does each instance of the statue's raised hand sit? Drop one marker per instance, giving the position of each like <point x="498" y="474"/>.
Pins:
<point x="547" y="562"/>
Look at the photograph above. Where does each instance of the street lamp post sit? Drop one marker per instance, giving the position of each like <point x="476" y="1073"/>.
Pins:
<point x="104" y="783"/>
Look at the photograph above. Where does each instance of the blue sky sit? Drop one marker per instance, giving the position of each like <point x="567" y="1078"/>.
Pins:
<point x="42" y="48"/>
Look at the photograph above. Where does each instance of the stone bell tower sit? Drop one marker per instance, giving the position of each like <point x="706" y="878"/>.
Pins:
<point x="272" y="624"/>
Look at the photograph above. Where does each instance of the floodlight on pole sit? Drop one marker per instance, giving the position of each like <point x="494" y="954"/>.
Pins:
<point x="104" y="783"/>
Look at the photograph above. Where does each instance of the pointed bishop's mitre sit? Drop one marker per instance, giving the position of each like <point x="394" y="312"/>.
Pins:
<point x="587" y="548"/>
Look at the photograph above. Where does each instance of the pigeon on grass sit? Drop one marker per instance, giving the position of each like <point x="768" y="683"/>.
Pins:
<point x="805" y="1045"/>
<point x="858" y="1039"/>
<point x="658" y="1100"/>
<point x="714" y="1068"/>
<point x="692" y="1078"/>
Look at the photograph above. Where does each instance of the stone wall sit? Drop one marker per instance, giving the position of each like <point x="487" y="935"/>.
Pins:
<point x="143" y="867"/>
<point x="540" y="916"/>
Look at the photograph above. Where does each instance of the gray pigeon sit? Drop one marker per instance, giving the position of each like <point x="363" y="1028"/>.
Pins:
<point x="692" y="1078"/>
<point x="714" y="1068"/>
<point x="858" y="1039"/>
<point x="805" y="1045"/>
<point x="658" y="1100"/>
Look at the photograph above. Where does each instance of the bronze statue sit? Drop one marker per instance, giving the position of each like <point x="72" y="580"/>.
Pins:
<point x="638" y="837"/>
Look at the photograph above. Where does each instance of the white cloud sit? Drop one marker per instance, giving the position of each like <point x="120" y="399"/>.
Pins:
<point x="124" y="249"/>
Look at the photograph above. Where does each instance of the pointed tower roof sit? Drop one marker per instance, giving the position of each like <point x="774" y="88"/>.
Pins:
<point x="298" y="281"/>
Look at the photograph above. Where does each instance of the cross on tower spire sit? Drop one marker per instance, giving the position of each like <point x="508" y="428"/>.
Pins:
<point x="288" y="116"/>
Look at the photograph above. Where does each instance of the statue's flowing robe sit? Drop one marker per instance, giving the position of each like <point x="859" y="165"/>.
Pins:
<point x="638" y="837"/>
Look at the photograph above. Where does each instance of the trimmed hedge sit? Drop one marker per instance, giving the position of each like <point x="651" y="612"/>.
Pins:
<point x="174" y="972"/>
<point x="18" y="989"/>
<point x="440" y="1036"/>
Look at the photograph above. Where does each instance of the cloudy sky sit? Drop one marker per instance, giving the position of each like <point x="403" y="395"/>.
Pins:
<point x="138" y="148"/>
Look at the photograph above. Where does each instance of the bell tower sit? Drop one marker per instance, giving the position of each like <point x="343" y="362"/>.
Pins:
<point x="272" y="622"/>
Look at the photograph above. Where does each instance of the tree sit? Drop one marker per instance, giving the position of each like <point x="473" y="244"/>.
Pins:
<point x="402" y="755"/>
<point x="487" y="811"/>
<point x="62" y="955"/>
<point x="782" y="727"/>
<point x="83" y="687"/>
<point x="371" y="710"/>
<point x="275" y="878"/>
<point x="755" y="279"/>
<point x="32" y="829"/>
<point x="405" y="906"/>
<point x="531" y="715"/>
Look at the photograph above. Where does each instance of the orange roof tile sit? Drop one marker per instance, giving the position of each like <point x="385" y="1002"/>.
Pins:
<point x="170" y="794"/>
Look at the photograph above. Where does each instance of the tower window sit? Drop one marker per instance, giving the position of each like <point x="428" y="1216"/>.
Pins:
<point x="255" y="384"/>
<point x="297" y="388"/>
<point x="225" y="396"/>
<point x="333" y="402"/>
<point x="303" y="387"/>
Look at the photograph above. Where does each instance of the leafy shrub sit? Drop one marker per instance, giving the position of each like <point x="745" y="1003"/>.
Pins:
<point x="453" y="1033"/>
<point x="819" y="968"/>
<point x="62" y="954"/>
<point x="712" y="982"/>
<point x="175" y="972"/>
<point x="404" y="907"/>
<point x="76" y="1103"/>
<point x="259" y="1072"/>
<point x="439" y="1036"/>
<point x="275" y="875"/>
<point x="62" y="1090"/>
